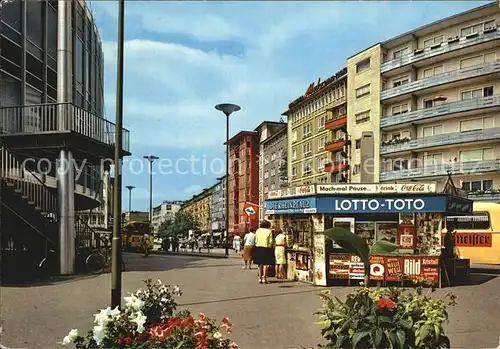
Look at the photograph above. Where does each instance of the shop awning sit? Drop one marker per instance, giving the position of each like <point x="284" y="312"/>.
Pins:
<point x="482" y="218"/>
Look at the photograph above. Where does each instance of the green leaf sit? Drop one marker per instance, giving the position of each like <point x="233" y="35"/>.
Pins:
<point x="401" y="338"/>
<point x="383" y="247"/>
<point x="349" y="242"/>
<point x="425" y="331"/>
<point x="377" y="336"/>
<point x="358" y="336"/>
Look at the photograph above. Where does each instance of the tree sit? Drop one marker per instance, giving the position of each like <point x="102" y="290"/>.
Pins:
<point x="180" y="225"/>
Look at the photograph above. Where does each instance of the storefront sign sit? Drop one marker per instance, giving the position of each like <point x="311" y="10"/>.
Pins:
<point x="399" y="188"/>
<point x="292" y="191"/>
<point x="302" y="205"/>
<point x="473" y="239"/>
<point x="406" y="236"/>
<point x="459" y="205"/>
<point x="404" y="268"/>
<point x="382" y="204"/>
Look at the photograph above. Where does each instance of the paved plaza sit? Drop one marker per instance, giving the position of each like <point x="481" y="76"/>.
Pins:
<point x="278" y="315"/>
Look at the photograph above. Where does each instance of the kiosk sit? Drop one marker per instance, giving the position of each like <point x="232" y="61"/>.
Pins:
<point x="409" y="214"/>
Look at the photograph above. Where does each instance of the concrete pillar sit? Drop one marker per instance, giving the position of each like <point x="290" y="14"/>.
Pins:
<point x="66" y="200"/>
<point x="65" y="170"/>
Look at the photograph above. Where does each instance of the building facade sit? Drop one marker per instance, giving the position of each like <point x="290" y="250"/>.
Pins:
<point x="200" y="208"/>
<point x="219" y="205"/>
<point x="317" y="133"/>
<point x="52" y="109"/>
<point x="426" y="103"/>
<point x="135" y="216"/>
<point x="163" y="212"/>
<point x="243" y="180"/>
<point x="274" y="151"/>
<point x="266" y="130"/>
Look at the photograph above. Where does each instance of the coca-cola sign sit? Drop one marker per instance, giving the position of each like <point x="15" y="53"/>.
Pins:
<point x="412" y="188"/>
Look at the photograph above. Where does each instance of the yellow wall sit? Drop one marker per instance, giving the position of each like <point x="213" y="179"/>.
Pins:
<point x="369" y="102"/>
<point x="200" y="207"/>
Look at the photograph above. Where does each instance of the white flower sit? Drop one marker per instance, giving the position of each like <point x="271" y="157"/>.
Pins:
<point x="159" y="282"/>
<point x="177" y="290"/>
<point x="140" y="320"/>
<point x="106" y="315"/>
<point x="70" y="337"/>
<point x="98" y="334"/>
<point x="217" y="335"/>
<point x="134" y="303"/>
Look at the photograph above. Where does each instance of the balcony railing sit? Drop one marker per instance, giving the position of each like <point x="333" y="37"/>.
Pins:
<point x="59" y="117"/>
<point x="335" y="166"/>
<point x="336" y="122"/>
<point x="448" y="77"/>
<point x="442" y="140"/>
<point x="493" y="196"/>
<point x="334" y="145"/>
<point x="442" y="169"/>
<point x="441" y="110"/>
<point x="445" y="47"/>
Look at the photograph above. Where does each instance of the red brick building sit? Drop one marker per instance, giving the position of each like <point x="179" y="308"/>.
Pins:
<point x="243" y="180"/>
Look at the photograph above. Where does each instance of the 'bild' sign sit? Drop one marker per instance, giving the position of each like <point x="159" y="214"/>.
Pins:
<point x="404" y="268"/>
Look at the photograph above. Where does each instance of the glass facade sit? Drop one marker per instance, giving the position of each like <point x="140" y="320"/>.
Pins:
<point x="28" y="58"/>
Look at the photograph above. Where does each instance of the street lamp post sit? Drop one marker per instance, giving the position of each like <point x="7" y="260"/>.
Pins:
<point x="116" y="251"/>
<point x="151" y="159"/>
<point x="130" y="187"/>
<point x="227" y="109"/>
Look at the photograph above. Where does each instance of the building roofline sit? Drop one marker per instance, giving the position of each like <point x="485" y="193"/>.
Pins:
<point x="275" y="134"/>
<point x="264" y="123"/>
<point x="241" y="134"/>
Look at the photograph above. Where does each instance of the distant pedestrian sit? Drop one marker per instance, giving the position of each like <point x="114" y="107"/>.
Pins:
<point x="263" y="251"/>
<point x="279" y="254"/>
<point x="237" y="244"/>
<point x="145" y="244"/>
<point x="249" y="244"/>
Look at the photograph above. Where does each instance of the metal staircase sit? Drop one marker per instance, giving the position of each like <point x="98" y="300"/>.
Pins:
<point x="29" y="219"/>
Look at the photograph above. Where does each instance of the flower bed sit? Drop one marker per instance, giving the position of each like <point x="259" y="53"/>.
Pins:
<point x="385" y="318"/>
<point x="148" y="321"/>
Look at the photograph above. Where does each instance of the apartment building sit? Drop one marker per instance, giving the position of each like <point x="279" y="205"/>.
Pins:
<point x="163" y="212"/>
<point x="266" y="130"/>
<point x="219" y="205"/>
<point x="275" y="162"/>
<point x="243" y="180"/>
<point x="316" y="133"/>
<point x="427" y="102"/>
<point x="200" y="208"/>
<point x="135" y="216"/>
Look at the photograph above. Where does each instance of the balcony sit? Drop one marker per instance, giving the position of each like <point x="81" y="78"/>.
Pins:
<point x="445" y="47"/>
<point x="488" y="195"/>
<point x="335" y="145"/>
<point x="445" y="139"/>
<point x="445" y="78"/>
<point x="34" y="130"/>
<point x="441" y="110"/>
<point x="335" y="167"/>
<point x="455" y="168"/>
<point x="337" y="122"/>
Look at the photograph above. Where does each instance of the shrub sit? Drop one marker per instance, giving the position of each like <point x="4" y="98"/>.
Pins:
<point x="385" y="318"/>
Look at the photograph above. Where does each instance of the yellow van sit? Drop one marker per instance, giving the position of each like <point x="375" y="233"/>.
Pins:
<point x="477" y="236"/>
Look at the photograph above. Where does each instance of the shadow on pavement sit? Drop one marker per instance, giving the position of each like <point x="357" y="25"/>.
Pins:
<point x="477" y="279"/>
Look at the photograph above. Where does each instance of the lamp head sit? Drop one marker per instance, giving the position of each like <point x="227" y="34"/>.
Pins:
<point x="151" y="158"/>
<point x="227" y="108"/>
<point x="130" y="187"/>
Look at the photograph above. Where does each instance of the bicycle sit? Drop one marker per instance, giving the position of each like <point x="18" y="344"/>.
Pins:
<point x="97" y="261"/>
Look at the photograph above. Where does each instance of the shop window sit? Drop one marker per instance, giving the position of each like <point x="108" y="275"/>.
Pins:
<point x="387" y="231"/>
<point x="298" y="232"/>
<point x="366" y="231"/>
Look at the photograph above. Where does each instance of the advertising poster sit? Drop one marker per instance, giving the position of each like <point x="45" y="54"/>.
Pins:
<point x="377" y="268"/>
<point x="393" y="269"/>
<point x="320" y="275"/>
<point x="339" y="265"/>
<point x="356" y="268"/>
<point x="406" y="236"/>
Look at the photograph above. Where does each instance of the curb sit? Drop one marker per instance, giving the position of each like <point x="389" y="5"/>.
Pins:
<point x="191" y="254"/>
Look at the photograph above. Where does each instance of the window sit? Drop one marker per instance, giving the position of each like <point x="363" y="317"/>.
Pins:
<point x="404" y="80"/>
<point x="306" y="149"/>
<point x="357" y="169"/>
<point x="477" y="60"/>
<point x="273" y="172"/>
<point x="400" y="164"/>
<point x="321" y="122"/>
<point x="294" y="154"/>
<point x="294" y="171"/>
<point x="433" y="41"/>
<point x="428" y="103"/>
<point x="429" y="131"/>
<point x="294" y="136"/>
<point x="321" y="142"/>
<point x="476" y="124"/>
<point x="266" y="189"/>
<point x="363" y="65"/>
<point x="363" y="91"/>
<point x="476" y="28"/>
<point x="321" y="164"/>
<point x="476" y="155"/>
<point x="477" y="93"/>
<point x="433" y="71"/>
<point x="396" y="135"/>
<point x="401" y="52"/>
<point x="400" y="109"/>
<point x="358" y="143"/>
<point x="362" y="117"/>
<point x="273" y="156"/>
<point x="433" y="159"/>
<point x="306" y="130"/>
<point x="307" y="168"/>
<point x="478" y="185"/>
<point x="266" y="160"/>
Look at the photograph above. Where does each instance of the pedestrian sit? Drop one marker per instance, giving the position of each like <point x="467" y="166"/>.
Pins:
<point x="279" y="254"/>
<point x="249" y="244"/>
<point x="263" y="251"/>
<point x="237" y="244"/>
<point x="145" y="244"/>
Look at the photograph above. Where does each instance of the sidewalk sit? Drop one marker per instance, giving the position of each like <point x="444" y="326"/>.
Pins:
<point x="213" y="253"/>
<point x="485" y="268"/>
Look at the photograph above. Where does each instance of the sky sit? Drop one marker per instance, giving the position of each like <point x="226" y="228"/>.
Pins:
<point x="183" y="58"/>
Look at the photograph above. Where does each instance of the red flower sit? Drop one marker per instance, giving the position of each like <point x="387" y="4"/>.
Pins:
<point x="383" y="303"/>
